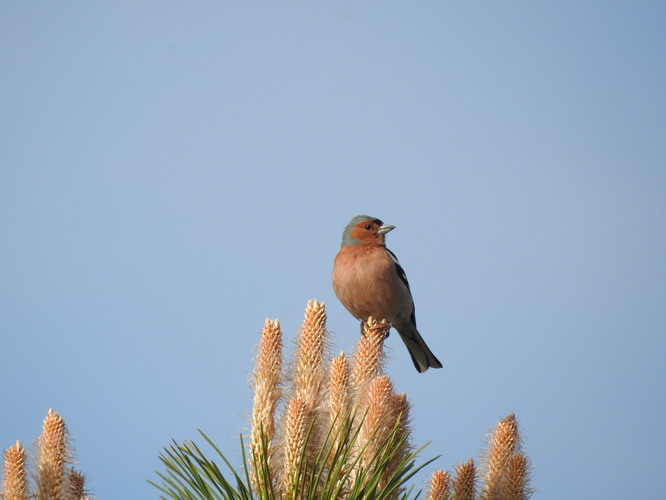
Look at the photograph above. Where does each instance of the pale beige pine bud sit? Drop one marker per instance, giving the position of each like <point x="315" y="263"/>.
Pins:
<point x="369" y="355"/>
<point x="398" y="419"/>
<point x="464" y="483"/>
<point x="440" y="485"/>
<point x="516" y="478"/>
<point x="266" y="380"/>
<point x="338" y="387"/>
<point x="267" y="393"/>
<point x="339" y="409"/>
<point x="339" y="399"/>
<point x="309" y="374"/>
<point x="296" y="427"/>
<point x="400" y="413"/>
<point x="77" y="490"/>
<point x="53" y="457"/>
<point x="503" y="443"/>
<point x="15" y="484"/>
<point x="377" y="409"/>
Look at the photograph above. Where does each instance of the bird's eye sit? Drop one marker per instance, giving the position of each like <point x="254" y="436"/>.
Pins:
<point x="368" y="227"/>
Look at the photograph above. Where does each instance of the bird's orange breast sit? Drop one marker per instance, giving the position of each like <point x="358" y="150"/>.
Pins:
<point x="366" y="282"/>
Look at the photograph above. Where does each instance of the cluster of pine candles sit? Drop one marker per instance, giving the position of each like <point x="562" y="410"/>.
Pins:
<point x="53" y="477"/>
<point x="328" y="428"/>
<point x="344" y="430"/>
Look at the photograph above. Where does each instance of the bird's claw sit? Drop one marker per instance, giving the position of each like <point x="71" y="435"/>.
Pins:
<point x="363" y="323"/>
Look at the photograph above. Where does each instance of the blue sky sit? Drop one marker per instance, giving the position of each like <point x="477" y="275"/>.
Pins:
<point x="172" y="174"/>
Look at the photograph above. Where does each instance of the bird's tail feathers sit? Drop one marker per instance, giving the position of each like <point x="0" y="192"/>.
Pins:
<point x="422" y="356"/>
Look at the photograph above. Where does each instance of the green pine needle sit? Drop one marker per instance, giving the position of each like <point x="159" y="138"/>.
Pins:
<point x="336" y="471"/>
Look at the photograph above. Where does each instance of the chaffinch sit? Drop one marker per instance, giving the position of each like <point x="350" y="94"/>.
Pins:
<point x="369" y="281"/>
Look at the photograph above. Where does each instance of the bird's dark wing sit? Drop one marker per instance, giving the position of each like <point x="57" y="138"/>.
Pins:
<point x="399" y="269"/>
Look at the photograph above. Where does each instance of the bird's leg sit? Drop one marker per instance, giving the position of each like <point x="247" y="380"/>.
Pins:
<point x="362" y="328"/>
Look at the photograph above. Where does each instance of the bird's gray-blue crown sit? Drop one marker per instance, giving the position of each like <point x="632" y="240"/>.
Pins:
<point x="346" y="235"/>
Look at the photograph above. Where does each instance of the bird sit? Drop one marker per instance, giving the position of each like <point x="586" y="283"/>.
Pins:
<point x="369" y="281"/>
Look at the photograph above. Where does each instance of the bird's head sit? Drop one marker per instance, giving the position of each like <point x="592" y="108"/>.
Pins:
<point x="365" y="230"/>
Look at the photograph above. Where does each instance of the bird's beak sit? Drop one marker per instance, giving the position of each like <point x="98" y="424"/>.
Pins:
<point x="385" y="229"/>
